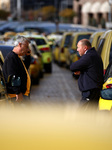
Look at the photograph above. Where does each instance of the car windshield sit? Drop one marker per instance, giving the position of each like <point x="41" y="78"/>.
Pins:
<point x="100" y="46"/>
<point x="5" y="50"/>
<point x="80" y="37"/>
<point x="91" y="40"/>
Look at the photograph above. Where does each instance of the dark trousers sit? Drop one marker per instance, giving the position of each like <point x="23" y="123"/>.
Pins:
<point x="90" y="98"/>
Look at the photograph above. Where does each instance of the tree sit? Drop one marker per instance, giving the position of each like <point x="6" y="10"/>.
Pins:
<point x="67" y="14"/>
<point x="47" y="12"/>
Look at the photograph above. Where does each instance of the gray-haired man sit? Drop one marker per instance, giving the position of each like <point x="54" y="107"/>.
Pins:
<point x="13" y="65"/>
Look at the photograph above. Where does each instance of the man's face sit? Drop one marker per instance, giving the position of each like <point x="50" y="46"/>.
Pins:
<point x="81" y="48"/>
<point x="24" y="48"/>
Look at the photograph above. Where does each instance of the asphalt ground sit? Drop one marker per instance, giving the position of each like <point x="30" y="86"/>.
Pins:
<point x="57" y="87"/>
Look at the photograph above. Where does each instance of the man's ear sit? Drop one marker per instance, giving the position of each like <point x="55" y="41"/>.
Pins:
<point x="20" y="44"/>
<point x="85" y="48"/>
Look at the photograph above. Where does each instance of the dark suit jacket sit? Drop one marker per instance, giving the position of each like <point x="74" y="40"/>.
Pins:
<point x="91" y="67"/>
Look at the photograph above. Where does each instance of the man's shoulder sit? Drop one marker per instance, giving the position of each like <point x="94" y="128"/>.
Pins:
<point x="11" y="54"/>
<point x="92" y="52"/>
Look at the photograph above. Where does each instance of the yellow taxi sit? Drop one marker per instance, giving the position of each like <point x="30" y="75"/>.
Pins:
<point x="72" y="54"/>
<point x="3" y="92"/>
<point x="52" y="38"/>
<point x="105" y="50"/>
<point x="94" y="38"/>
<point x="63" y="47"/>
<point x="105" y="101"/>
<point x="43" y="46"/>
<point x="36" y="66"/>
<point x="55" y="50"/>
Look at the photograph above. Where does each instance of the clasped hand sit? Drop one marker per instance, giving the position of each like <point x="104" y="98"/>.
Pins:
<point x="77" y="73"/>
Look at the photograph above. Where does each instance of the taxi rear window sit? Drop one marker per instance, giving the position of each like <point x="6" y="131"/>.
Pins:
<point x="39" y="41"/>
<point x="80" y="37"/>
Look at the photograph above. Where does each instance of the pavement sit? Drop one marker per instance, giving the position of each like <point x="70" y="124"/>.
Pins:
<point x="57" y="87"/>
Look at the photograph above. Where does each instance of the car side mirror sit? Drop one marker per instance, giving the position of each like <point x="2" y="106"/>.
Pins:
<point x="14" y="80"/>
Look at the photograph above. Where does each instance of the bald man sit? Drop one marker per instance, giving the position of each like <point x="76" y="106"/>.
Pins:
<point x="90" y="68"/>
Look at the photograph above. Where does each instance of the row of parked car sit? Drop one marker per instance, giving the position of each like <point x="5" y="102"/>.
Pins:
<point x="65" y="52"/>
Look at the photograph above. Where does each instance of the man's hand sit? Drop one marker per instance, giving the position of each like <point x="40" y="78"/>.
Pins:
<point x="77" y="73"/>
<point x="28" y="52"/>
<point x="19" y="97"/>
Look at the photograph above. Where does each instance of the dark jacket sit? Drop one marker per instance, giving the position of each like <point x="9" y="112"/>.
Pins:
<point x="91" y="67"/>
<point x="14" y="66"/>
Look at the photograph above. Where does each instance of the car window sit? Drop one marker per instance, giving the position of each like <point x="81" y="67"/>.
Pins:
<point x="106" y="94"/>
<point x="71" y="41"/>
<point x="91" y="40"/>
<point x="67" y="40"/>
<point x="100" y="46"/>
<point x="108" y="72"/>
<point x="110" y="56"/>
<point x="31" y="29"/>
<point x="39" y="41"/>
<point x="98" y="38"/>
<point x="80" y="37"/>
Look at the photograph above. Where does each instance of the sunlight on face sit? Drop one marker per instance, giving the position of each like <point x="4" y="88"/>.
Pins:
<point x="81" y="48"/>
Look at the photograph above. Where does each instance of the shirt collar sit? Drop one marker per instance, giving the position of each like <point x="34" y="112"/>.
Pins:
<point x="85" y="51"/>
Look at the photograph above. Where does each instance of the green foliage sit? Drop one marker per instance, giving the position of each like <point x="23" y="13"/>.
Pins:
<point x="67" y="14"/>
<point x="47" y="12"/>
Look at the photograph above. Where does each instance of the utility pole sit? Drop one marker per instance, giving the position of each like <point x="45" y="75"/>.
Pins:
<point x="109" y="15"/>
<point x="109" y="23"/>
<point x="19" y="10"/>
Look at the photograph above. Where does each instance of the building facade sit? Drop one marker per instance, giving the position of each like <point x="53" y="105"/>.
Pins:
<point x="88" y="12"/>
<point x="5" y="5"/>
<point x="92" y="12"/>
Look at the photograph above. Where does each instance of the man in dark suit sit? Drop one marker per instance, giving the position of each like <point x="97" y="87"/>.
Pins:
<point x="90" y="68"/>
